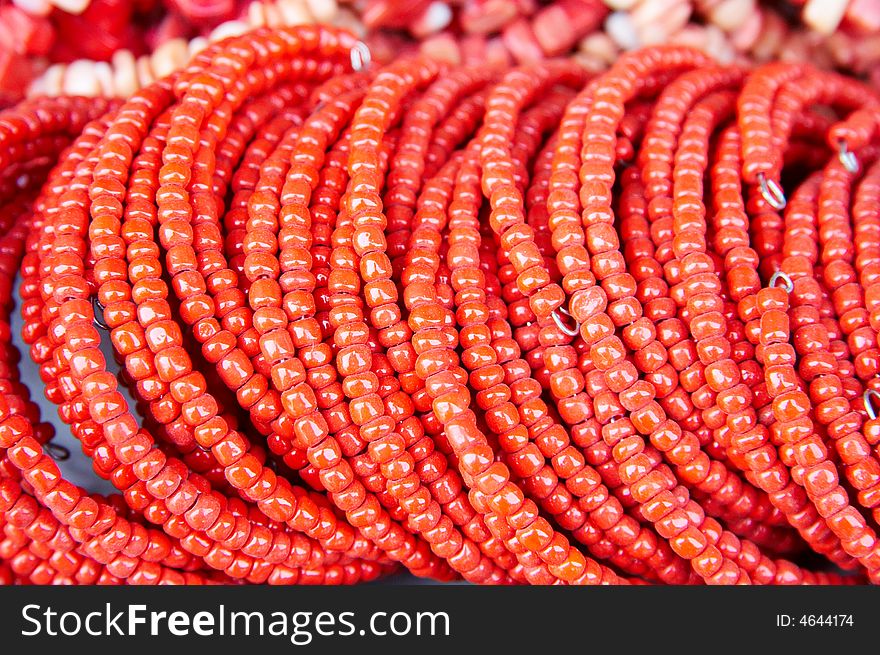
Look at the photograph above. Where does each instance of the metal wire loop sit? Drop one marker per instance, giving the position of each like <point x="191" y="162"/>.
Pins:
<point x="869" y="405"/>
<point x="778" y="276"/>
<point x="57" y="452"/>
<point x="98" y="309"/>
<point x="847" y="157"/>
<point x="772" y="192"/>
<point x="360" y="56"/>
<point x="570" y="331"/>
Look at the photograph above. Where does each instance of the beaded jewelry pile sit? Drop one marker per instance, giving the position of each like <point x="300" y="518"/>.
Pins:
<point x="506" y="325"/>
<point x="114" y="47"/>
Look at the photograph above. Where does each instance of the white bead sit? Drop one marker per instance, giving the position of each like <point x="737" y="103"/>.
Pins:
<point x="75" y="7"/>
<point x="824" y="16"/>
<point x="169" y="57"/>
<point x="323" y="11"/>
<point x="104" y="75"/>
<point x="620" y="28"/>
<point x="294" y="12"/>
<point x="80" y="79"/>
<point x="227" y="29"/>
<point x="125" y="78"/>
<point x="34" y="7"/>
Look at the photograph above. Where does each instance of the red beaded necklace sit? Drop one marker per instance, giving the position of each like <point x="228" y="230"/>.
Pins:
<point x="484" y="324"/>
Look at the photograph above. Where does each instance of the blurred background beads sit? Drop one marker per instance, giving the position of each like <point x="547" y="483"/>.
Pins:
<point x="112" y="47"/>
